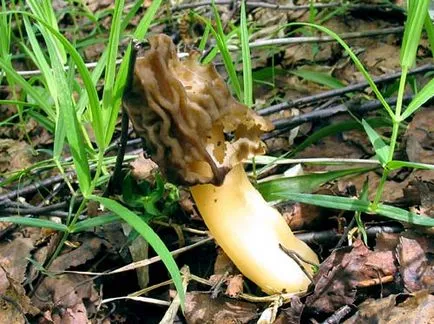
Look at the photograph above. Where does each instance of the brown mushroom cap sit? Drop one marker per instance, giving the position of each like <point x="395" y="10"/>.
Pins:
<point x="183" y="110"/>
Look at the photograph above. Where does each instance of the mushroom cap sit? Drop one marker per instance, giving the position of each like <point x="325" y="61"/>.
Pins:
<point x="185" y="113"/>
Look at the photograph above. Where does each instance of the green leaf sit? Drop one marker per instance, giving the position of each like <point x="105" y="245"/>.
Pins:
<point x="247" y="63"/>
<point x="150" y="236"/>
<point x="356" y="61"/>
<point x="346" y="203"/>
<point x="417" y="11"/>
<point x="393" y="165"/>
<point x="277" y="189"/>
<point x="337" y="128"/>
<point x="381" y="148"/>
<point x="421" y="97"/>
<point x="318" y="77"/>
<point x="35" y="222"/>
<point x="94" y="222"/>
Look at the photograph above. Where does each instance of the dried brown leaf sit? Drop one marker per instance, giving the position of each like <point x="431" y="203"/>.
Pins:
<point x="338" y="276"/>
<point x="394" y="309"/>
<point x="201" y="308"/>
<point x="417" y="271"/>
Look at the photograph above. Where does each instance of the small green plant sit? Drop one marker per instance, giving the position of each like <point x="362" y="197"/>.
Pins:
<point x="66" y="117"/>
<point x="417" y="18"/>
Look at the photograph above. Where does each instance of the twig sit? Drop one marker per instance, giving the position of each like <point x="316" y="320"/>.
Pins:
<point x="35" y="186"/>
<point x="337" y="316"/>
<point x="169" y="316"/>
<point x="140" y="299"/>
<point x="339" y="92"/>
<point x="375" y="281"/>
<point x="284" y="124"/>
<point x="330" y="236"/>
<point x="259" y="4"/>
<point x="298" y="259"/>
<point x="321" y="39"/>
<point x="142" y="263"/>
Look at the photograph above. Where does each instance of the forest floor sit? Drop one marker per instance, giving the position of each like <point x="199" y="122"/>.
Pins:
<point x="373" y="267"/>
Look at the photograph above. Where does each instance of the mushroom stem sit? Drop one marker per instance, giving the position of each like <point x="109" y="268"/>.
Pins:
<point x="250" y="231"/>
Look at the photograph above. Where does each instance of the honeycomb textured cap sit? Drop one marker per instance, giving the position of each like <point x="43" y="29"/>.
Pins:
<point x="185" y="113"/>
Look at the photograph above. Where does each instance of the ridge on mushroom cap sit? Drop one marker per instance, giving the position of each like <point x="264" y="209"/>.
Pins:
<point x="184" y="111"/>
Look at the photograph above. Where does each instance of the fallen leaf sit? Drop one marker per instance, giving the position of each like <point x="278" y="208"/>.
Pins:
<point x="338" y="276"/>
<point x="420" y="134"/>
<point x="86" y="251"/>
<point x="143" y="169"/>
<point x="13" y="259"/>
<point x="416" y="270"/>
<point x="201" y="308"/>
<point x="66" y="290"/>
<point x="235" y="285"/>
<point x="394" y="309"/>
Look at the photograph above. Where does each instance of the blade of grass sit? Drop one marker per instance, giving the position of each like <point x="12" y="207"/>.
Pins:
<point x="425" y="94"/>
<point x="356" y="61"/>
<point x="150" y="236"/>
<point x="245" y="53"/>
<point x="346" y="203"/>
<point x="381" y="148"/>
<point x="276" y="188"/>
<point x="35" y="222"/>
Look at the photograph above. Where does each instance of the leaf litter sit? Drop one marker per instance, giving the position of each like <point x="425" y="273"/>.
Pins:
<point x="399" y="266"/>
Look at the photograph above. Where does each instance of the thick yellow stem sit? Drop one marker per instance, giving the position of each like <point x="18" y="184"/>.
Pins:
<point x="249" y="231"/>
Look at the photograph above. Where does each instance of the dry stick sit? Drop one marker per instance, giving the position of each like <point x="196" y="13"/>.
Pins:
<point x="259" y="4"/>
<point x="34" y="187"/>
<point x="338" y="316"/>
<point x="339" y="92"/>
<point x="321" y="39"/>
<point x="139" y="264"/>
<point x="285" y="124"/>
<point x="329" y="236"/>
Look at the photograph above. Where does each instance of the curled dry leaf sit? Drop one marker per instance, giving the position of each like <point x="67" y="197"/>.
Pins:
<point x="13" y="258"/>
<point x="415" y="309"/>
<point x="417" y="271"/>
<point x="338" y="276"/>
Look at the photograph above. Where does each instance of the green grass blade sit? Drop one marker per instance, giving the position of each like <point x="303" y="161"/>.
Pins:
<point x="150" y="236"/>
<point x="35" y="222"/>
<point x="94" y="222"/>
<point x="245" y="53"/>
<point x="275" y="189"/>
<point x="417" y="11"/>
<point x="429" y="27"/>
<point x="356" y="61"/>
<point x="28" y="88"/>
<point x="110" y="69"/>
<point x="381" y="148"/>
<point x="337" y="128"/>
<point x="393" y="165"/>
<point x="346" y="203"/>
<point x="318" y="77"/>
<point x="121" y="77"/>
<point x="425" y="94"/>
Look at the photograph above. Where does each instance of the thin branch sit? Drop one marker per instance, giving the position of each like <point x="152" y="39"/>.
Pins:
<point x="285" y="124"/>
<point x="259" y="4"/>
<point x="34" y="186"/>
<point x="304" y="101"/>
<point x="321" y="39"/>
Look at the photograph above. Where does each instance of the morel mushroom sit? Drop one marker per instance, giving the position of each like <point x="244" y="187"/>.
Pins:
<point x="186" y="115"/>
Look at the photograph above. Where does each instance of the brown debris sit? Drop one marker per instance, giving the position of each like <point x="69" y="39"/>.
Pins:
<point x="416" y="270"/>
<point x="200" y="308"/>
<point x="338" y="276"/>
<point x="417" y="308"/>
